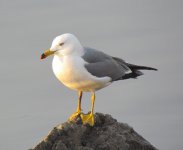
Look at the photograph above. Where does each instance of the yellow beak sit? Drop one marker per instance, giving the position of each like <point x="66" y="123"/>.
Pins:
<point x="46" y="54"/>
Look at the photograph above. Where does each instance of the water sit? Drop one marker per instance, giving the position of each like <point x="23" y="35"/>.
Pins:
<point x="141" y="32"/>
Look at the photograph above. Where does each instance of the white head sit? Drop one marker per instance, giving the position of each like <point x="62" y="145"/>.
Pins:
<point x="65" y="44"/>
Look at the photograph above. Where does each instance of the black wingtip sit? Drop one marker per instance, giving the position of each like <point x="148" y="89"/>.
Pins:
<point x="152" y="69"/>
<point x="137" y="67"/>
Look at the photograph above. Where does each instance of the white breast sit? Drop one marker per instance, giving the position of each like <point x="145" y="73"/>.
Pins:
<point x="72" y="73"/>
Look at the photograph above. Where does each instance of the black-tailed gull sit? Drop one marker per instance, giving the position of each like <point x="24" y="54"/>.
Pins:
<point x="87" y="70"/>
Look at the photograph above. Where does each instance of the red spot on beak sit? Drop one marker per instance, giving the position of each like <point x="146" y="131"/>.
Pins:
<point x="43" y="56"/>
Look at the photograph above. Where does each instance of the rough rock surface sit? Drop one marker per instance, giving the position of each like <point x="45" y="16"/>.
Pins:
<point x="106" y="134"/>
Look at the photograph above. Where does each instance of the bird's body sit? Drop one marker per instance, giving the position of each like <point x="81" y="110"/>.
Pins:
<point x="70" y="70"/>
<point x="86" y="69"/>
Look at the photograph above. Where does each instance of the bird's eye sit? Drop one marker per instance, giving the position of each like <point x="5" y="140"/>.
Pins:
<point x="61" y="44"/>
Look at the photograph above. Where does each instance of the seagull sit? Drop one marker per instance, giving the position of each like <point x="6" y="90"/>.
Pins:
<point x="86" y="69"/>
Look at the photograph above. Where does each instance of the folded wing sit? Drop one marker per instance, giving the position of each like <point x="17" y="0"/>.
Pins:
<point x="100" y="64"/>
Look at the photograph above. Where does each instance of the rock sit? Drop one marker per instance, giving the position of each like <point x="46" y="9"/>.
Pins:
<point x="106" y="134"/>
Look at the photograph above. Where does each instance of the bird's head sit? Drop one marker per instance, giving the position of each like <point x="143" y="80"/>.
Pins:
<point x="62" y="45"/>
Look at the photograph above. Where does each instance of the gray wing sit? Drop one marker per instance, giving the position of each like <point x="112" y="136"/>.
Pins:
<point x="100" y="64"/>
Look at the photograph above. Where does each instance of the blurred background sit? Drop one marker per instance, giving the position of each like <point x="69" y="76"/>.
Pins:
<point x="144" y="32"/>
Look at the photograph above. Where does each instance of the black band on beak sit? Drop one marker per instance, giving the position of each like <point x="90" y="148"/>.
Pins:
<point x="43" y="56"/>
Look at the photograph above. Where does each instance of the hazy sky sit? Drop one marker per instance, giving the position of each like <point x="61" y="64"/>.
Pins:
<point x="144" y="32"/>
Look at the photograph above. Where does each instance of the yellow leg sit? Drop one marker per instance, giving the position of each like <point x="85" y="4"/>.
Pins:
<point x="89" y="118"/>
<point x="78" y="110"/>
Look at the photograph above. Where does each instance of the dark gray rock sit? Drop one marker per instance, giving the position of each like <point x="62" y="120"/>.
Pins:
<point x="106" y="134"/>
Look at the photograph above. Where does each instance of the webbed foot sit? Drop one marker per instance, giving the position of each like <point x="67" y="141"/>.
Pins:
<point x="88" y="118"/>
<point x="74" y="116"/>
